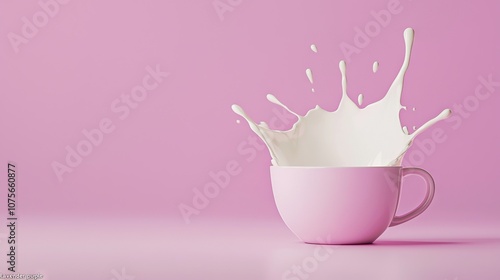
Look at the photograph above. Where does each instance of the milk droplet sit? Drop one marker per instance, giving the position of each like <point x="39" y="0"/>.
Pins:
<point x="414" y="128"/>
<point x="314" y="48"/>
<point x="360" y="99"/>
<point x="238" y="121"/>
<point x="312" y="89"/>
<point x="405" y="130"/>
<point x="375" y="67"/>
<point x="414" y="109"/>
<point x="309" y="75"/>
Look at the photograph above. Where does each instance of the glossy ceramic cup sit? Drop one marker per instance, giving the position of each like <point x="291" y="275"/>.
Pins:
<point x="344" y="205"/>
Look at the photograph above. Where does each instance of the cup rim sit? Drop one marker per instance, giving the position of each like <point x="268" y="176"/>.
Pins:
<point x="335" y="167"/>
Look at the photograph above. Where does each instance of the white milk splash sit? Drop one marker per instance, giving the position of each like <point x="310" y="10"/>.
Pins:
<point x="349" y="136"/>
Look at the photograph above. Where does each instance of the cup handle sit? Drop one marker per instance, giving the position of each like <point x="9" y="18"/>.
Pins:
<point x="425" y="203"/>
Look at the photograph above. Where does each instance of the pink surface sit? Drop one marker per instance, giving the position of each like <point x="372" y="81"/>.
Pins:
<point x="138" y="249"/>
<point x="164" y="138"/>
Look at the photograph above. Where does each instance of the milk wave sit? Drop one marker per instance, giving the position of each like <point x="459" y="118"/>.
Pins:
<point x="348" y="137"/>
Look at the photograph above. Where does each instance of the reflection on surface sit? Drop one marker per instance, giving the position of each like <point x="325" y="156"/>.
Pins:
<point x="228" y="250"/>
<point x="390" y="259"/>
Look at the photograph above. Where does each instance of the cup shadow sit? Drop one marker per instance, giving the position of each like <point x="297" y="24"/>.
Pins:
<point x="395" y="243"/>
<point x="465" y="241"/>
<point x="381" y="243"/>
<point x="417" y="243"/>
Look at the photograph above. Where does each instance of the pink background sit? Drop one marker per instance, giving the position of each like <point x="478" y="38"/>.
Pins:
<point x="66" y="77"/>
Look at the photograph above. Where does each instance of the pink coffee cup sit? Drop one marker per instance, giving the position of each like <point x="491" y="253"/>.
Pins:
<point x="343" y="205"/>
